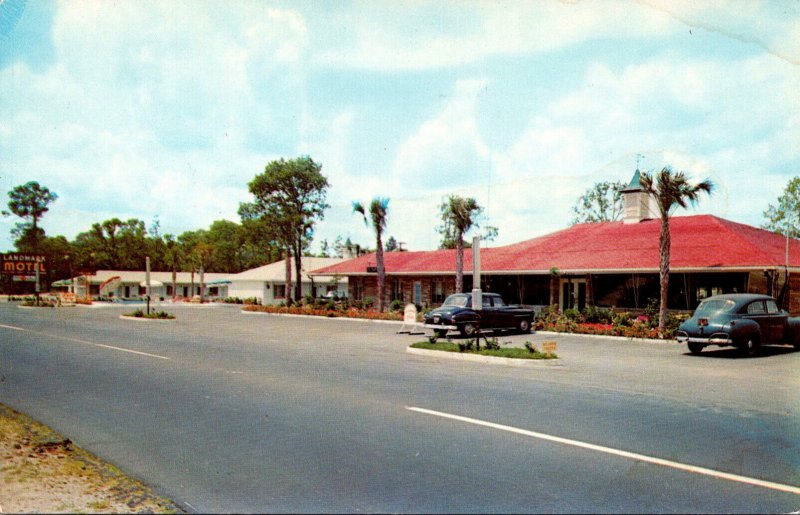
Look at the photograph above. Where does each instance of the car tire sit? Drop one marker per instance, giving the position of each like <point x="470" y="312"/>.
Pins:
<point x="468" y="329"/>
<point x="695" y="348"/>
<point x="751" y="346"/>
<point x="524" y="326"/>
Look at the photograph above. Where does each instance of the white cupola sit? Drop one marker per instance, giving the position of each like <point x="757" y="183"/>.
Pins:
<point x="637" y="204"/>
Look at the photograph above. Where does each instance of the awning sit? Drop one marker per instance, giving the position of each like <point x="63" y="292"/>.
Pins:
<point x="218" y="282"/>
<point x="61" y="282"/>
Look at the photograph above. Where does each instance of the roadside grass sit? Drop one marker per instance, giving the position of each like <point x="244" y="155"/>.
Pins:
<point x="529" y="352"/>
<point x="43" y="472"/>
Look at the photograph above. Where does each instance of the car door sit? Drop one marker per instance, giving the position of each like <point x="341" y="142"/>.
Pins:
<point x="757" y="312"/>
<point x="777" y="320"/>
<point x="488" y="313"/>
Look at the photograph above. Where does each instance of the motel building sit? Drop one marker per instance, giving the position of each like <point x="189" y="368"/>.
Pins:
<point x="607" y="264"/>
<point x="132" y="285"/>
<point x="267" y="283"/>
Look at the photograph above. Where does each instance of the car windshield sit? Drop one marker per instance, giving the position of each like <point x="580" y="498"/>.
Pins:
<point x="711" y="306"/>
<point x="457" y="300"/>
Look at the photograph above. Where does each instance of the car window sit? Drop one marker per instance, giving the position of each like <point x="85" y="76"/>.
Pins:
<point x="498" y="302"/>
<point x="487" y="302"/>
<point x="772" y="308"/>
<point x="457" y="300"/>
<point x="756" y="308"/>
<point x="709" y="307"/>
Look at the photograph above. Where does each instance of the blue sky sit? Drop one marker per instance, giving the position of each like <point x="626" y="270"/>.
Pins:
<point x="167" y="109"/>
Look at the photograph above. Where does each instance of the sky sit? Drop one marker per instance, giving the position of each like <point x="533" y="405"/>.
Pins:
<point x="166" y="110"/>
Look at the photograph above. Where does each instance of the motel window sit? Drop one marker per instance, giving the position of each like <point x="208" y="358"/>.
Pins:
<point x="280" y="291"/>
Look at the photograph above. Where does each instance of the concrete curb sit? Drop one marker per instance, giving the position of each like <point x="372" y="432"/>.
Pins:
<point x="476" y="358"/>
<point x="143" y="319"/>
<point x="346" y="319"/>
<point x="618" y="338"/>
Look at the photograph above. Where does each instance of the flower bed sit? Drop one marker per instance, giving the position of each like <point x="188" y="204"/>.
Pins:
<point x="607" y="322"/>
<point x="350" y="312"/>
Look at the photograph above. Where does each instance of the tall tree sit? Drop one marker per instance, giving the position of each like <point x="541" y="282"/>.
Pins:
<point x="291" y="195"/>
<point x="600" y="203"/>
<point x="459" y="215"/>
<point x="392" y="245"/>
<point x="29" y="201"/>
<point x="378" y="211"/>
<point x="784" y="217"/>
<point x="670" y="190"/>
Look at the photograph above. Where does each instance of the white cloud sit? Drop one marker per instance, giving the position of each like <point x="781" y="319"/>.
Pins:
<point x="415" y="36"/>
<point x="447" y="149"/>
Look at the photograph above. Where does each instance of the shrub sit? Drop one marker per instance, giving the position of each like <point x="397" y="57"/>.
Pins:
<point x="595" y="315"/>
<point x="396" y="305"/>
<point x="621" y="320"/>
<point x="573" y="315"/>
<point x="466" y="346"/>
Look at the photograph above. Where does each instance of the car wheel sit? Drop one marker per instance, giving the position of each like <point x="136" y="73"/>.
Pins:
<point x="525" y="326"/>
<point x="695" y="348"/>
<point x="751" y="346"/>
<point x="468" y="329"/>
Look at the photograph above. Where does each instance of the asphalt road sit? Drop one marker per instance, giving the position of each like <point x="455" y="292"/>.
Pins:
<point x="226" y="412"/>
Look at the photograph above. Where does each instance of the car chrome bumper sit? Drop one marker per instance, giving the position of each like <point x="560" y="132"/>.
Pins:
<point x="440" y="326"/>
<point x="713" y="340"/>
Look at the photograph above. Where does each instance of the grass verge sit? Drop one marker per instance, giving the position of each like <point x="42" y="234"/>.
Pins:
<point x="43" y="472"/>
<point x="157" y="315"/>
<point x="507" y="352"/>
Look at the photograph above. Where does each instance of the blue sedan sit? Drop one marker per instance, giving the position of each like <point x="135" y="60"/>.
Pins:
<point x="742" y="320"/>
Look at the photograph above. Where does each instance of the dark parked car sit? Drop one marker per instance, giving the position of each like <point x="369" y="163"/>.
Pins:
<point x="742" y="320"/>
<point x="456" y="314"/>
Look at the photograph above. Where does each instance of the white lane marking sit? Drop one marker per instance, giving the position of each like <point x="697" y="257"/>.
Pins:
<point x="616" y="452"/>
<point x="87" y="343"/>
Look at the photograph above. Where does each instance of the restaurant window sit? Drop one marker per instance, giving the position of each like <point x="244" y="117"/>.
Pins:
<point x="397" y="289"/>
<point x="358" y="288"/>
<point x="438" y="291"/>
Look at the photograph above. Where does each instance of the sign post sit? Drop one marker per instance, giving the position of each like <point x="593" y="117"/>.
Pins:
<point x="147" y="282"/>
<point x="549" y="347"/>
<point x="477" y="299"/>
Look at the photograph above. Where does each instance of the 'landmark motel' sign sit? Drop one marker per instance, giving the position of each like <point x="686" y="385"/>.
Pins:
<point x="23" y="266"/>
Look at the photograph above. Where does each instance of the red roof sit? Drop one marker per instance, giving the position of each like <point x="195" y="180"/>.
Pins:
<point x="698" y="242"/>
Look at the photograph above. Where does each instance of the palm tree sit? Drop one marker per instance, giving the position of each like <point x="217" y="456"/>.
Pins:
<point x="458" y="215"/>
<point x="670" y="190"/>
<point x="377" y="212"/>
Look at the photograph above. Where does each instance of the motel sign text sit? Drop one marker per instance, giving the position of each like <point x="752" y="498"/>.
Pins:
<point x="22" y="264"/>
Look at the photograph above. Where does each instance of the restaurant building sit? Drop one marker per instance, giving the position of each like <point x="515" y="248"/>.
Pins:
<point x="607" y="264"/>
